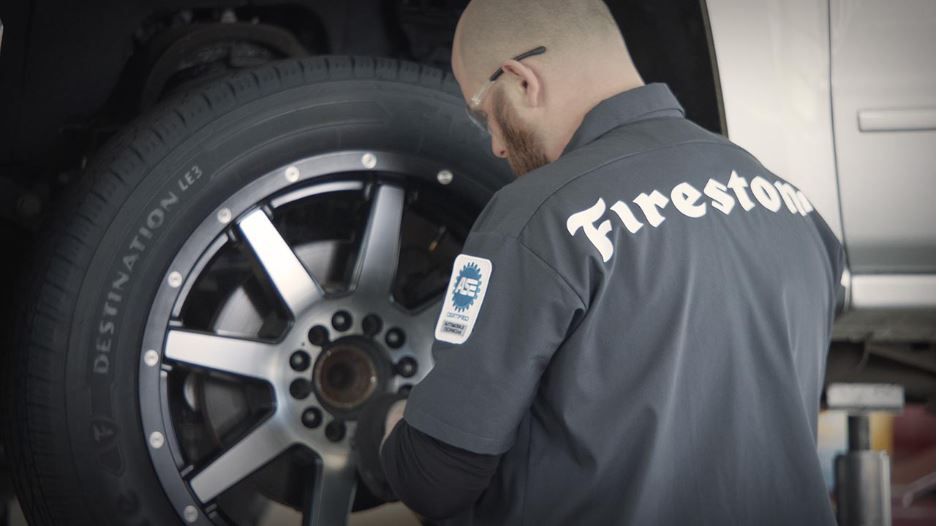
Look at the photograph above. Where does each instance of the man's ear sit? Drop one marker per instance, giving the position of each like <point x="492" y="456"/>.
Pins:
<point x="527" y="80"/>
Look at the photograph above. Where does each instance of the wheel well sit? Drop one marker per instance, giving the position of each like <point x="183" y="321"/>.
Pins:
<point x="104" y="64"/>
<point x="77" y="87"/>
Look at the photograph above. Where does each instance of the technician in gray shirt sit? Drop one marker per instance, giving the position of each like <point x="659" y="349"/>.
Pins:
<point x="636" y="331"/>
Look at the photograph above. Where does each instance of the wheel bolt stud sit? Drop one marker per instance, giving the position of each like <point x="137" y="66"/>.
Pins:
<point x="342" y="320"/>
<point x="394" y="338"/>
<point x="318" y="335"/>
<point x="335" y="430"/>
<point x="299" y="361"/>
<point x="371" y="325"/>
<point x="299" y="389"/>
<point x="406" y="367"/>
<point x="312" y="417"/>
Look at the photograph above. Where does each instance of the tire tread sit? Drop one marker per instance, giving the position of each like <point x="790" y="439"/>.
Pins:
<point x="34" y="417"/>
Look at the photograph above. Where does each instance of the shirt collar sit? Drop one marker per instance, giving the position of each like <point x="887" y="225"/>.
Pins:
<point x="645" y="102"/>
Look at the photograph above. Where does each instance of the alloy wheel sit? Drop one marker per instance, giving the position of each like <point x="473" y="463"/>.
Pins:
<point x="265" y="340"/>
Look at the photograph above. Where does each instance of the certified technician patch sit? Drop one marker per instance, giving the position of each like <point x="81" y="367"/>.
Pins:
<point x="465" y="295"/>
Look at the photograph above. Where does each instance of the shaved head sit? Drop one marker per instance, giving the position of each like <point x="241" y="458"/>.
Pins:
<point x="491" y="31"/>
<point x="536" y="105"/>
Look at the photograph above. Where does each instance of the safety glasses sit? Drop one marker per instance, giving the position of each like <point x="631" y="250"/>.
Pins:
<point x="476" y="116"/>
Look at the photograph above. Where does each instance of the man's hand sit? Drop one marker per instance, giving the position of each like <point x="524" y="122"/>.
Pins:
<point x="375" y="423"/>
<point x="395" y="413"/>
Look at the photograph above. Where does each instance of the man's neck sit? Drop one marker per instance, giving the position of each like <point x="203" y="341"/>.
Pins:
<point x="583" y="105"/>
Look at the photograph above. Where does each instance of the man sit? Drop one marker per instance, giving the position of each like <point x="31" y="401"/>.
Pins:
<point x="636" y="331"/>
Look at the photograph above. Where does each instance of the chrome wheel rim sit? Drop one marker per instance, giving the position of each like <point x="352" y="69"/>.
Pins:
<point x="328" y="359"/>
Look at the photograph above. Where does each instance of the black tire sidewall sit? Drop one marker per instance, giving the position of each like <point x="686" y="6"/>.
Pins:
<point x="201" y="168"/>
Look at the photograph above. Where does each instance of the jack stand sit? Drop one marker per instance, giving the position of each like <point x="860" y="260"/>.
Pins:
<point x="862" y="476"/>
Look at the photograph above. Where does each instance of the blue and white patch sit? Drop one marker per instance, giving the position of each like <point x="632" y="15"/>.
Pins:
<point x="465" y="294"/>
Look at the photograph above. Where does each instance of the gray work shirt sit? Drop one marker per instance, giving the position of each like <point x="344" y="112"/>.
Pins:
<point x="640" y="330"/>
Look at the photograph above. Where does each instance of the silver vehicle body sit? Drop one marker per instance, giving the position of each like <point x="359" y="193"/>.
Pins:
<point x="838" y="97"/>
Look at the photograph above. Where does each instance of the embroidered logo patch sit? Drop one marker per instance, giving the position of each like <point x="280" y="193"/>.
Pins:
<point x="468" y="284"/>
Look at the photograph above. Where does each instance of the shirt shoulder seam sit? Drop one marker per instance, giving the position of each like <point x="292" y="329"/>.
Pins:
<point x="543" y="261"/>
<point x="555" y="271"/>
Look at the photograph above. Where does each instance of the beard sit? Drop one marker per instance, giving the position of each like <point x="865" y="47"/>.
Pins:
<point x="522" y="148"/>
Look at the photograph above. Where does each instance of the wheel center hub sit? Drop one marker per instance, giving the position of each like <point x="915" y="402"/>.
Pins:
<point x="347" y="373"/>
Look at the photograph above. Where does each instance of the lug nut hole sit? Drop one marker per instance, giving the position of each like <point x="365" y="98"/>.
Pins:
<point x="300" y="389"/>
<point x="371" y="325"/>
<point x="342" y="321"/>
<point x="299" y="361"/>
<point x="406" y="367"/>
<point x="335" y="430"/>
<point x="312" y="417"/>
<point x="318" y="336"/>
<point x="394" y="338"/>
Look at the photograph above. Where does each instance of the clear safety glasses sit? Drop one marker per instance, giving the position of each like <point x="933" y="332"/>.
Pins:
<point x="472" y="109"/>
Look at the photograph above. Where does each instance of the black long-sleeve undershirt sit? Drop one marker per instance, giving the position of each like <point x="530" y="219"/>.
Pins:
<point x="431" y="477"/>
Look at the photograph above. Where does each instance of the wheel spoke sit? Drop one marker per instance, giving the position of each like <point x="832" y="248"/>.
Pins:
<point x="256" y="449"/>
<point x="378" y="253"/>
<point x="279" y="263"/>
<point x="231" y="355"/>
<point x="426" y="318"/>
<point x="333" y="491"/>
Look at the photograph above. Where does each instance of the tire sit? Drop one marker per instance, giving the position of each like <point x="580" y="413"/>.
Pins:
<point x="74" y="426"/>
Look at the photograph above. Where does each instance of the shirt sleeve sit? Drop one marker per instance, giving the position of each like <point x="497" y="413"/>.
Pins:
<point x="432" y="478"/>
<point x="505" y="313"/>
